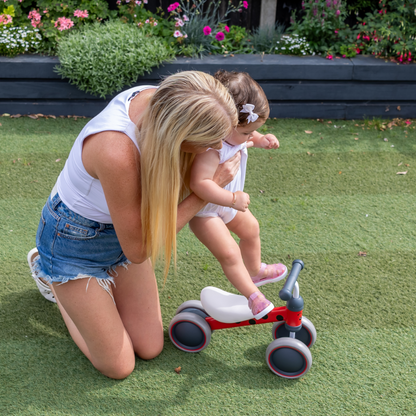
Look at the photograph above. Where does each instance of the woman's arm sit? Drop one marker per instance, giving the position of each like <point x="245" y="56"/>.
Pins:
<point x="112" y="158"/>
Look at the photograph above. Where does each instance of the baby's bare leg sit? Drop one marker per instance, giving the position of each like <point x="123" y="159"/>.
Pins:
<point x="214" y="234"/>
<point x="246" y="227"/>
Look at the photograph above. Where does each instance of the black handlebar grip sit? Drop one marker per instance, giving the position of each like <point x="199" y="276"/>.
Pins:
<point x="286" y="292"/>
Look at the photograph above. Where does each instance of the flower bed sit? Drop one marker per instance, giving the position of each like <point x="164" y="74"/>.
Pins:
<point x="296" y="86"/>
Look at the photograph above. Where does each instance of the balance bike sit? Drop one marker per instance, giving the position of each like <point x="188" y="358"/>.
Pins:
<point x="287" y="356"/>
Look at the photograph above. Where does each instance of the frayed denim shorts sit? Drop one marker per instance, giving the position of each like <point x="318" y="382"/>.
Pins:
<point x="73" y="247"/>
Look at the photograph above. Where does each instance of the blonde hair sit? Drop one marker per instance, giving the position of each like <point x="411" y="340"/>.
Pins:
<point x="244" y="90"/>
<point x="188" y="106"/>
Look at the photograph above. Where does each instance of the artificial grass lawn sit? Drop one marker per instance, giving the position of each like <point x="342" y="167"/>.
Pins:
<point x="323" y="197"/>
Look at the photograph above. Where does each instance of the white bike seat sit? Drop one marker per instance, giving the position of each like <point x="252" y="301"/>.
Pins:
<point x="224" y="306"/>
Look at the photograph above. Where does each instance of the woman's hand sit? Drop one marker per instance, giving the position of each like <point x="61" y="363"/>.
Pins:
<point x="226" y="171"/>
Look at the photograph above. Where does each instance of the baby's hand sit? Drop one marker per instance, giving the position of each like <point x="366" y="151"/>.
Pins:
<point x="242" y="201"/>
<point x="273" y="143"/>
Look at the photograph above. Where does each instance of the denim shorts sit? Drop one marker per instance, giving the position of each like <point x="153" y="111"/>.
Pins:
<point x="73" y="247"/>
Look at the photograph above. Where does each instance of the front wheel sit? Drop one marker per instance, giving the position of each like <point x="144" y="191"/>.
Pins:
<point x="307" y="333"/>
<point x="288" y="358"/>
<point x="189" y="332"/>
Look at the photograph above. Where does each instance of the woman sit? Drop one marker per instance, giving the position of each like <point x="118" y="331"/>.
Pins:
<point x="115" y="209"/>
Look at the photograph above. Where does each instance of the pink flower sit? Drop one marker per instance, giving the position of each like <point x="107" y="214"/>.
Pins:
<point x="329" y="57"/>
<point x="147" y="21"/>
<point x="408" y="122"/>
<point x="177" y="34"/>
<point x="207" y="30"/>
<point x="336" y="32"/>
<point x="62" y="23"/>
<point x="220" y="36"/>
<point x="5" y="19"/>
<point x="81" y="14"/>
<point x="173" y="7"/>
<point x="179" y="22"/>
<point x="145" y="1"/>
<point x="227" y="29"/>
<point x="118" y="2"/>
<point x="154" y="23"/>
<point x="245" y="4"/>
<point x="185" y="18"/>
<point x="344" y="56"/>
<point x="358" y="50"/>
<point x="337" y="12"/>
<point x="35" y="18"/>
<point x="138" y="2"/>
<point x="358" y="37"/>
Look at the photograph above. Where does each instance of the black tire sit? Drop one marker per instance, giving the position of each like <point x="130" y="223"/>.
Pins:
<point x="288" y="358"/>
<point x="189" y="332"/>
<point x="307" y="334"/>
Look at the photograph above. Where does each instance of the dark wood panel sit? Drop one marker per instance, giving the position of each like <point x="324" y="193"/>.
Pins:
<point x="56" y="108"/>
<point x="308" y="110"/>
<point x="339" y="91"/>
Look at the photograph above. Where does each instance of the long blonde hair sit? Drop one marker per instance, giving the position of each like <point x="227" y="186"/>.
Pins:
<point x="188" y="106"/>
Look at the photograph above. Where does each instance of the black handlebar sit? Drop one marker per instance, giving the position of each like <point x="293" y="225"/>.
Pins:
<point x="286" y="292"/>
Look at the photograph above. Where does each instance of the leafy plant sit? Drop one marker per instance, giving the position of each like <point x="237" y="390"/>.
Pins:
<point x="389" y="31"/>
<point x="263" y="39"/>
<point x="234" y="39"/>
<point x="198" y="23"/>
<point x="103" y="58"/>
<point x="323" y="25"/>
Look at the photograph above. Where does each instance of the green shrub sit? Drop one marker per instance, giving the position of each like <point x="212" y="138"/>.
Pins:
<point x="103" y="58"/>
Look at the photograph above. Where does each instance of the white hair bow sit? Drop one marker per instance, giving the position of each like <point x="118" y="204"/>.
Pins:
<point x="248" y="108"/>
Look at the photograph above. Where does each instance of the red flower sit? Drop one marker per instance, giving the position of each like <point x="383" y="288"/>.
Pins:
<point x="220" y="36"/>
<point x="227" y="29"/>
<point x="245" y="4"/>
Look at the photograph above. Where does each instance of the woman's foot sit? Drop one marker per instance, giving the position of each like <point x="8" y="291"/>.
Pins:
<point x="259" y="305"/>
<point x="270" y="273"/>
<point x="43" y="287"/>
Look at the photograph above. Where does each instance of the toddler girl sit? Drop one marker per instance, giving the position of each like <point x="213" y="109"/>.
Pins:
<point x="227" y="208"/>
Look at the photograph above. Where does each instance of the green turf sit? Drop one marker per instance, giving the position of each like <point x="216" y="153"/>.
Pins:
<point x="323" y="197"/>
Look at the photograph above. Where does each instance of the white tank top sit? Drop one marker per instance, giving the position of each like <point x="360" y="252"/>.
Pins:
<point x="78" y="190"/>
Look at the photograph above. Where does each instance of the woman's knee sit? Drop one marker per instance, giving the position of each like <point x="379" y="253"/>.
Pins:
<point x="117" y="370"/>
<point x="150" y="350"/>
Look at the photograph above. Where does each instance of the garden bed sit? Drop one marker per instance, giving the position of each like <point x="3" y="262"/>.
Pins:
<point x="297" y="87"/>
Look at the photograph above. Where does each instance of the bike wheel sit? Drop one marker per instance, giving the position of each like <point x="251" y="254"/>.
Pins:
<point x="194" y="306"/>
<point x="189" y="332"/>
<point x="288" y="358"/>
<point x="307" y="333"/>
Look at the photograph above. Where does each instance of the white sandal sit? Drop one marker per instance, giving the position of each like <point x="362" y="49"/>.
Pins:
<point x="44" y="289"/>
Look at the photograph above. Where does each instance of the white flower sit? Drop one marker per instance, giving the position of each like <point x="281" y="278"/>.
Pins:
<point x="177" y="34"/>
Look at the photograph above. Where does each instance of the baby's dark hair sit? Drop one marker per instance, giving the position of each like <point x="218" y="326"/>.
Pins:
<point x="244" y="90"/>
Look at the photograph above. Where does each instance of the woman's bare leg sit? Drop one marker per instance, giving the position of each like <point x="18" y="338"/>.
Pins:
<point x="214" y="234"/>
<point x="96" y="324"/>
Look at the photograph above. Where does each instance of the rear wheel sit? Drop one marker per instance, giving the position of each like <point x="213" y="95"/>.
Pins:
<point x="189" y="332"/>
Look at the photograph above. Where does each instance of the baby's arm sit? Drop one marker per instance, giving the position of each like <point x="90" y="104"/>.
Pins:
<point x="267" y="141"/>
<point x="203" y="169"/>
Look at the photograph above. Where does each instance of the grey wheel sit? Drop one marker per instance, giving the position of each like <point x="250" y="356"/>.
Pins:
<point x="189" y="332"/>
<point x="194" y="306"/>
<point x="307" y="334"/>
<point x="288" y="358"/>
